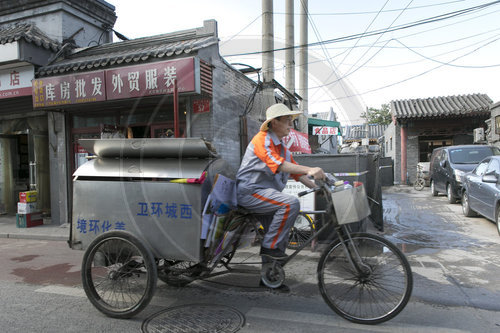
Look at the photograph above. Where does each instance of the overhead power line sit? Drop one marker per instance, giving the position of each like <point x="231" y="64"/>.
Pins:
<point x="414" y="76"/>
<point x="447" y="63"/>
<point x="380" y="31"/>
<point x="375" y="12"/>
<point x="352" y="70"/>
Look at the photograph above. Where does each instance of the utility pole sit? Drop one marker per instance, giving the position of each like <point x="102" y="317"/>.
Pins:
<point x="267" y="53"/>
<point x="303" y="67"/>
<point x="289" y="43"/>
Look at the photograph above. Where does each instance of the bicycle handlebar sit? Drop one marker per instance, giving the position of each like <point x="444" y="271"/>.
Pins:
<point x="301" y="194"/>
<point x="330" y="180"/>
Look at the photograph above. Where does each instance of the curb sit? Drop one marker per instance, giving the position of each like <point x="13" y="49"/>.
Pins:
<point x="34" y="237"/>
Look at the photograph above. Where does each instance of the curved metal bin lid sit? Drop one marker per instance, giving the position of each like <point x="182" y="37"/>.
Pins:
<point x="170" y="168"/>
<point x="147" y="148"/>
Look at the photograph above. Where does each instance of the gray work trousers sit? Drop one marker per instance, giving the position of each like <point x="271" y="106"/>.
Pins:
<point x="282" y="206"/>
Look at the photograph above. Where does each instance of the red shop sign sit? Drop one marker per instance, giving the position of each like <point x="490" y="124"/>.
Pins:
<point x="125" y="82"/>
<point x="201" y="105"/>
<point x="69" y="89"/>
<point x="151" y="79"/>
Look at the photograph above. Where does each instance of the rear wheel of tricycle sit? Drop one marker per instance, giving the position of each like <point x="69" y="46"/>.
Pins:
<point x="119" y="274"/>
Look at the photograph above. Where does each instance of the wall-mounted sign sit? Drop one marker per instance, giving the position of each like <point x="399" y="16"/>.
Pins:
<point x="497" y="125"/>
<point x="325" y="130"/>
<point x="118" y="83"/>
<point x="151" y="79"/>
<point x="69" y="89"/>
<point x="201" y="105"/>
<point x="16" y="82"/>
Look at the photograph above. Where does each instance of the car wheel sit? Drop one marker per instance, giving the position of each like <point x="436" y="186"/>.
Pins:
<point x="433" y="189"/>
<point x="498" y="219"/>
<point x="449" y="195"/>
<point x="466" y="205"/>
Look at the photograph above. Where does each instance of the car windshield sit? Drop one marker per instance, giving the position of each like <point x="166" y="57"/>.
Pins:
<point x="472" y="155"/>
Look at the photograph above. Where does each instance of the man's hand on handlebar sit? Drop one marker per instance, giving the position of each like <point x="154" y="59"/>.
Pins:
<point x="316" y="173"/>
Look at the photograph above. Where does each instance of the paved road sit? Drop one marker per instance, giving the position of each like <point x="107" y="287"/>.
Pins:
<point x="455" y="261"/>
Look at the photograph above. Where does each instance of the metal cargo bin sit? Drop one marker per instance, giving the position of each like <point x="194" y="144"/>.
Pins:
<point x="351" y="204"/>
<point x="352" y="167"/>
<point x="128" y="186"/>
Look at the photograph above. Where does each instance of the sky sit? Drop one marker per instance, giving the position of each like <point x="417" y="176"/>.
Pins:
<point x="364" y="53"/>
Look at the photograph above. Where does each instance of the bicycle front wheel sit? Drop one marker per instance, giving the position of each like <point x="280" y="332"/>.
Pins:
<point x="118" y="274"/>
<point x="301" y="231"/>
<point x="368" y="289"/>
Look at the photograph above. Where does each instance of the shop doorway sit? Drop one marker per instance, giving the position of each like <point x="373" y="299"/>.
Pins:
<point x="24" y="165"/>
<point x="14" y="170"/>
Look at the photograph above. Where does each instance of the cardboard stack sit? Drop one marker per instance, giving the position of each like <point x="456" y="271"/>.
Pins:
<point x="28" y="214"/>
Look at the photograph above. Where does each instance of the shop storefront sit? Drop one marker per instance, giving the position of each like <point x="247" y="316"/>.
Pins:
<point x="24" y="161"/>
<point x="142" y="101"/>
<point x="152" y="100"/>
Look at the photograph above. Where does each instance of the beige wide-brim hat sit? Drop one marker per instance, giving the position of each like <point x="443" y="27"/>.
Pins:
<point x="275" y="111"/>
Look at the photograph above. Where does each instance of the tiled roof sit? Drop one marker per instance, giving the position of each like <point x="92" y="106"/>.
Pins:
<point x="131" y="51"/>
<point x="439" y="107"/>
<point x="30" y="33"/>
<point x="357" y="132"/>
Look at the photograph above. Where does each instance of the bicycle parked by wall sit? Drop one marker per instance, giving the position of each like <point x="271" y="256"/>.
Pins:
<point x="362" y="277"/>
<point x="422" y="176"/>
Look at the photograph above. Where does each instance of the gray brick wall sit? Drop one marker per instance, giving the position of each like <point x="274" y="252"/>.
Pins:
<point x="393" y="149"/>
<point x="231" y="91"/>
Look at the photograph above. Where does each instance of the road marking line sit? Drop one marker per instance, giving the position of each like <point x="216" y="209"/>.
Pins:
<point x="336" y="321"/>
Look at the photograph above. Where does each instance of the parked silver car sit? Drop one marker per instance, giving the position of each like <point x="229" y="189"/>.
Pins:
<point x="481" y="190"/>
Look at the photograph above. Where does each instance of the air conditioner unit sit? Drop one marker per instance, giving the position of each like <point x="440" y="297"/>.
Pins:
<point x="478" y="135"/>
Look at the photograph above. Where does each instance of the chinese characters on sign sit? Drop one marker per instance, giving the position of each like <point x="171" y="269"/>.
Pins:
<point x="95" y="227"/>
<point x="325" y="130"/>
<point x="74" y="89"/>
<point x="150" y="79"/>
<point x="16" y="82"/>
<point x="125" y="82"/>
<point x="201" y="105"/>
<point x="171" y="210"/>
<point x="167" y="210"/>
